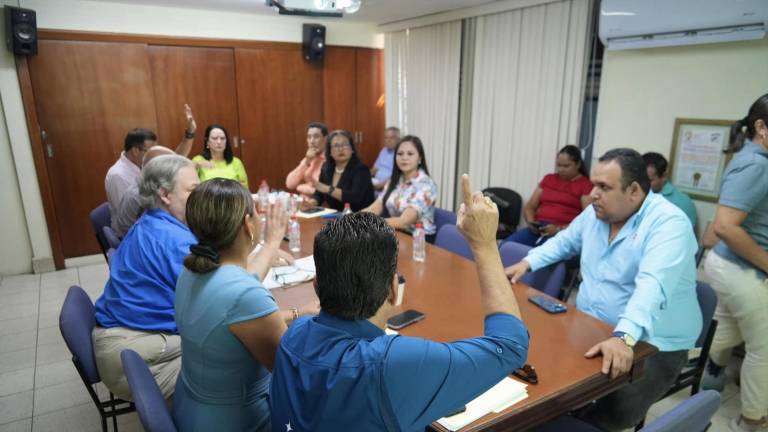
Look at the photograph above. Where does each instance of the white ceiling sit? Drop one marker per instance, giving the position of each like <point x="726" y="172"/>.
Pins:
<point x="377" y="11"/>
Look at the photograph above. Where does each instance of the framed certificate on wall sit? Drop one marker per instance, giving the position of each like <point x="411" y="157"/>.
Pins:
<point x="697" y="159"/>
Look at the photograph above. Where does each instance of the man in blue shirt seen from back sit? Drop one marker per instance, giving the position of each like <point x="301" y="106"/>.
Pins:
<point x="339" y="371"/>
<point x="639" y="275"/>
<point x="136" y="309"/>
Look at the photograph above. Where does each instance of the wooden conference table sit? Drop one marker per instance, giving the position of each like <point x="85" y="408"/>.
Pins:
<point x="445" y="288"/>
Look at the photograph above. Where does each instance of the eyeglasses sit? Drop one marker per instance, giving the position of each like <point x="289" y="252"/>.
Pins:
<point x="339" y="146"/>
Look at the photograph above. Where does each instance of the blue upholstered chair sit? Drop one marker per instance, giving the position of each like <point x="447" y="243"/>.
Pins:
<point x="548" y="279"/>
<point x="76" y="322"/>
<point x="450" y="239"/>
<point x="444" y="217"/>
<point x="693" y="415"/>
<point x="100" y="217"/>
<point x="150" y="404"/>
<point x="111" y="236"/>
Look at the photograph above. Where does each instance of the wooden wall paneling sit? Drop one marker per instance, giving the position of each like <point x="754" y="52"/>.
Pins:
<point x="339" y="88"/>
<point x="88" y="95"/>
<point x="278" y="94"/>
<point x="370" y="102"/>
<point x="202" y="77"/>
<point x="38" y="154"/>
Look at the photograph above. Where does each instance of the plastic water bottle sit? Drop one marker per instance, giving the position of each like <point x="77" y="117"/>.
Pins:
<point x="419" y="244"/>
<point x="294" y="235"/>
<point x="347" y="210"/>
<point x="263" y="195"/>
<point x="262" y="226"/>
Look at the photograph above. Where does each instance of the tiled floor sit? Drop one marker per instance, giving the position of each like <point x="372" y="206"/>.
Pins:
<point x="40" y="389"/>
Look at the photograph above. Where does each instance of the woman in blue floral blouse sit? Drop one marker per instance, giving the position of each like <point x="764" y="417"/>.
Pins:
<point x="409" y="196"/>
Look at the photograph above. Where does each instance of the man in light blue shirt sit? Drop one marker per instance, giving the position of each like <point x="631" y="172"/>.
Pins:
<point x="339" y="371"/>
<point x="637" y="264"/>
<point x="382" y="168"/>
<point x="657" y="174"/>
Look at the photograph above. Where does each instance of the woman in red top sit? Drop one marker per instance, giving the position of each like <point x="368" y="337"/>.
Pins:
<point x="559" y="198"/>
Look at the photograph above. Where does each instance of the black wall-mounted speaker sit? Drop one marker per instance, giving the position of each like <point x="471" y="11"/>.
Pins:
<point x="313" y="41"/>
<point x="21" y="30"/>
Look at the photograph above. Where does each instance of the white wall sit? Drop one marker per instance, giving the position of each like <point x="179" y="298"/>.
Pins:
<point x="643" y="91"/>
<point x="24" y="237"/>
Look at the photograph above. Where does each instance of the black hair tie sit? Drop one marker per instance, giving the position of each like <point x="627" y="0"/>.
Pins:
<point x="205" y="251"/>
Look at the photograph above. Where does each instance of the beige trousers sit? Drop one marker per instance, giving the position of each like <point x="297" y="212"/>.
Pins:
<point x="161" y="351"/>
<point x="742" y="316"/>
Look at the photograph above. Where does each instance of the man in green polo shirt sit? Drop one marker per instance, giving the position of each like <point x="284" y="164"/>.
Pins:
<point x="657" y="173"/>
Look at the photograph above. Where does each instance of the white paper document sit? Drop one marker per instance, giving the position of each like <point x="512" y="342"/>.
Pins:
<point x="324" y="212"/>
<point x="498" y="398"/>
<point x="302" y="270"/>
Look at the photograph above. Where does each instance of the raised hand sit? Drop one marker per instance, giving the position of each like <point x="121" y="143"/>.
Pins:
<point x="277" y="222"/>
<point x="191" y="125"/>
<point x="478" y="217"/>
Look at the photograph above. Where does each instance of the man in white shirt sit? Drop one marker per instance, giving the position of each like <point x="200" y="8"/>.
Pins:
<point x="124" y="174"/>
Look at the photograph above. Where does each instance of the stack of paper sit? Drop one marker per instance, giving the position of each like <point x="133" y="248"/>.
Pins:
<point x="302" y="270"/>
<point x="323" y="212"/>
<point x="498" y="398"/>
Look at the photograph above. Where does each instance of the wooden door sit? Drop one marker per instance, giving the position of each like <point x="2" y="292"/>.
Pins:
<point x="279" y="93"/>
<point x="204" y="78"/>
<point x="339" y="89"/>
<point x="370" y="102"/>
<point x="87" y="96"/>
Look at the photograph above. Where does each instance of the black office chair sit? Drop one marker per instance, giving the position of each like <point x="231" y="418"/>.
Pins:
<point x="510" y="205"/>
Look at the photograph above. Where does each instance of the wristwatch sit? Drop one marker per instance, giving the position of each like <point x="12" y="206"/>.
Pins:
<point x="626" y="338"/>
<point x="188" y="134"/>
<point x="331" y="189"/>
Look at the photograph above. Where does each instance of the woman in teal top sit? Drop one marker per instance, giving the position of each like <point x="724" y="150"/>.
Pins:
<point x="230" y="325"/>
<point x="217" y="160"/>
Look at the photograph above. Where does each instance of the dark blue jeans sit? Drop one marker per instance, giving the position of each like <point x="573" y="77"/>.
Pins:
<point x="527" y="237"/>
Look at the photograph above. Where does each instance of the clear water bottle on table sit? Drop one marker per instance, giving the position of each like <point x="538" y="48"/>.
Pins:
<point x="419" y="243"/>
<point x="294" y="235"/>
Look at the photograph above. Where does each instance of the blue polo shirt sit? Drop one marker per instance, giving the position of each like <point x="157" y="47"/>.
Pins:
<point x="332" y="374"/>
<point x="141" y="289"/>
<point x="745" y="188"/>
<point x="681" y="200"/>
<point x="644" y="282"/>
<point x="384" y="164"/>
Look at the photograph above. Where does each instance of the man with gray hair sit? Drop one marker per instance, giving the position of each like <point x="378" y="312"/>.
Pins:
<point x="136" y="310"/>
<point x="385" y="162"/>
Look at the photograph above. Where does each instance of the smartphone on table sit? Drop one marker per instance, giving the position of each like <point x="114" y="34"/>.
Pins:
<point x="548" y="305"/>
<point x="404" y="319"/>
<point x="313" y="210"/>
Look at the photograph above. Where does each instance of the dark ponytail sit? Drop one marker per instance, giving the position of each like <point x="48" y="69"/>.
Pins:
<point x="215" y="212"/>
<point x="745" y="128"/>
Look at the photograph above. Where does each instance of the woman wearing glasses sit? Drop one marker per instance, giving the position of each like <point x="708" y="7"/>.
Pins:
<point x="343" y="178"/>
<point x="230" y="325"/>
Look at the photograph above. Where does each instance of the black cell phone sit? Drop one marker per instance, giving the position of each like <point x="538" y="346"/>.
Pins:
<point x="404" y="319"/>
<point x="548" y="305"/>
<point x="458" y="411"/>
<point x="313" y="210"/>
<point x="400" y="279"/>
